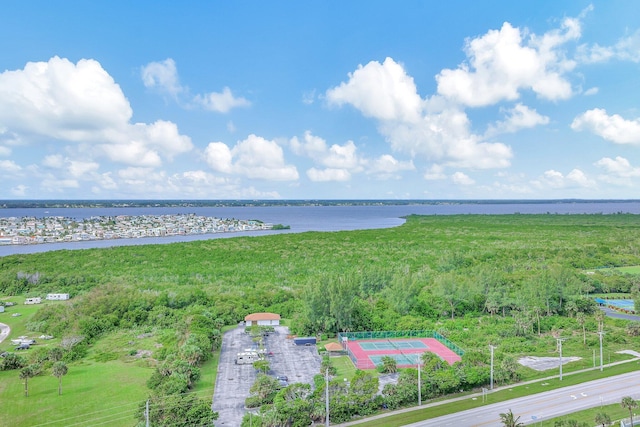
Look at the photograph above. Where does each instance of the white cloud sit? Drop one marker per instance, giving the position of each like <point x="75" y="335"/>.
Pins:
<point x="435" y="173"/>
<point x="591" y="91"/>
<point x="518" y="117"/>
<point x="613" y="128"/>
<point x="625" y="49"/>
<point x="5" y="151"/>
<point x="460" y="178"/>
<point x="218" y="156"/>
<point x="221" y="102"/>
<point x="254" y="157"/>
<point x="388" y="165"/>
<point x="162" y="76"/>
<point x="500" y="64"/>
<point x="9" y="166"/>
<point x="329" y="174"/>
<point x="619" y="167"/>
<point x="574" y="179"/>
<point x="432" y="129"/>
<point x="61" y="100"/>
<point x="382" y="91"/>
<point x="81" y="103"/>
<point x="19" y="190"/>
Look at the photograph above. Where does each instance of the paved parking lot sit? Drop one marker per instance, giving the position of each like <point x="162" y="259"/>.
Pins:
<point x="298" y="363"/>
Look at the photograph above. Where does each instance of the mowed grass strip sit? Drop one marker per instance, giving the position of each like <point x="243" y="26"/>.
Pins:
<point x="92" y="394"/>
<point x="500" y="396"/>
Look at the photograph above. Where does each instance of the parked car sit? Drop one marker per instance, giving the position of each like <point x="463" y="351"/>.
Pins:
<point x="4" y="354"/>
<point x="23" y="347"/>
<point x="283" y="380"/>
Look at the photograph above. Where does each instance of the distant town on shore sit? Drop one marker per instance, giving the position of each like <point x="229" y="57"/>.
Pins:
<point x="56" y="229"/>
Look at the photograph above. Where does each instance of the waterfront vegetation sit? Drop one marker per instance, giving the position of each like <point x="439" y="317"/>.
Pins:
<point x="147" y="320"/>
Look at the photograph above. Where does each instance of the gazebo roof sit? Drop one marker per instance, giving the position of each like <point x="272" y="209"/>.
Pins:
<point x="333" y="346"/>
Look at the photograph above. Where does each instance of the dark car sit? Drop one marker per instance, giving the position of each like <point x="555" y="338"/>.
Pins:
<point x="4" y="354"/>
<point x="23" y="347"/>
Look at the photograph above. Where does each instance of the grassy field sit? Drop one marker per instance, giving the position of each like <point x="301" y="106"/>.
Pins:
<point x="242" y="275"/>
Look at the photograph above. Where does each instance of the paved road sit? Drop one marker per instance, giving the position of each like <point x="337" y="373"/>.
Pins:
<point x="5" y="330"/>
<point x="543" y="406"/>
<point x="616" y="315"/>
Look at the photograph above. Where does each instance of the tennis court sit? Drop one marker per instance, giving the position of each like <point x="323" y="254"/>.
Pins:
<point x="626" y="304"/>
<point x="368" y="353"/>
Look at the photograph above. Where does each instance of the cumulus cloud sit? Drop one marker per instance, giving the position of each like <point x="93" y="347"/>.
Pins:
<point x="574" y="179"/>
<point x="610" y="127"/>
<point x="9" y="167"/>
<point x="517" y="118"/>
<point x="221" y="102"/>
<point x="432" y="128"/>
<point x="461" y="178"/>
<point x="435" y="173"/>
<point x="163" y="76"/>
<point x="387" y="165"/>
<point x="591" y="91"/>
<point x="619" y="167"/>
<point x="19" y="190"/>
<point x="81" y="103"/>
<point x="254" y="157"/>
<point x="381" y="91"/>
<point x="503" y="62"/>
<point x="328" y="174"/>
<point x="625" y="49"/>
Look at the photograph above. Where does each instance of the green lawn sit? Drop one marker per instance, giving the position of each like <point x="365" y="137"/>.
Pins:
<point x="106" y="394"/>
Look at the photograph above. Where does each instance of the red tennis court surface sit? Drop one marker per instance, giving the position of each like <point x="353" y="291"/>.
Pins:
<point x="366" y="354"/>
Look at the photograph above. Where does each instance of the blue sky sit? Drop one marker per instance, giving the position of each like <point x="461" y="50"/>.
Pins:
<point x="320" y="100"/>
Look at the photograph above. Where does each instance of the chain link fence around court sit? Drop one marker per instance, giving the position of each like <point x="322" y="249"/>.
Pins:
<point x="345" y="337"/>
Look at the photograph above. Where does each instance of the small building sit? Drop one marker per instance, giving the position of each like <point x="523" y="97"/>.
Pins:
<point x="34" y="300"/>
<point x="304" y="341"/>
<point x="262" y="319"/>
<point x="333" y="347"/>
<point x="57" y="297"/>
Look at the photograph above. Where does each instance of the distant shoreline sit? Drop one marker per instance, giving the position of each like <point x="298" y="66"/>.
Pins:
<point x="117" y="203"/>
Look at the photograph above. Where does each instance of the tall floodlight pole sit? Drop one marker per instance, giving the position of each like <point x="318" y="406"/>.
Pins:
<point x="600" y="333"/>
<point x="491" y="376"/>
<point x="326" y="396"/>
<point x="560" y="347"/>
<point x="419" y="384"/>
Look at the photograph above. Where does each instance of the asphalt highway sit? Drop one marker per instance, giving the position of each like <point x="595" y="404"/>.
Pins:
<point x="543" y="406"/>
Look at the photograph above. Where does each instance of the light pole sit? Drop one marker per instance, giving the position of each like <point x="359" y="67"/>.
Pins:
<point x="600" y="333"/>
<point x="491" y="381"/>
<point x="326" y="396"/>
<point x="560" y="347"/>
<point x="419" y="383"/>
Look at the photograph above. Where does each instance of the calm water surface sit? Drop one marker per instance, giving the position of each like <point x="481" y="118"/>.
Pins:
<point x="301" y="218"/>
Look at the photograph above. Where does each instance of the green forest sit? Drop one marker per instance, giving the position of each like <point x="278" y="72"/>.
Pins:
<point x="515" y="281"/>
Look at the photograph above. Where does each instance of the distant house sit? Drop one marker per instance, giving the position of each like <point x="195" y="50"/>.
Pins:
<point x="57" y="297"/>
<point x="35" y="300"/>
<point x="262" y="319"/>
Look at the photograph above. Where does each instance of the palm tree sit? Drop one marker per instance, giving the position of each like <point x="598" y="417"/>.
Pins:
<point x="630" y="404"/>
<point x="582" y="319"/>
<point x="59" y="370"/>
<point x="602" y="418"/>
<point x="26" y="373"/>
<point x="509" y="420"/>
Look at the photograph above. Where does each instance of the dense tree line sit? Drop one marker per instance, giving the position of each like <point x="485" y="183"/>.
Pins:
<point x="521" y="278"/>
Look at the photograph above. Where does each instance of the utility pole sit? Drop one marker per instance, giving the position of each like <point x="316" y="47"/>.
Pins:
<point x="419" y="383"/>
<point x="600" y="333"/>
<point x="326" y="396"/>
<point x="560" y="347"/>
<point x="491" y="382"/>
<point x="146" y="413"/>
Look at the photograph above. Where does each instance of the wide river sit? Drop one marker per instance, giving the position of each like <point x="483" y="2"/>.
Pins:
<point x="304" y="218"/>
